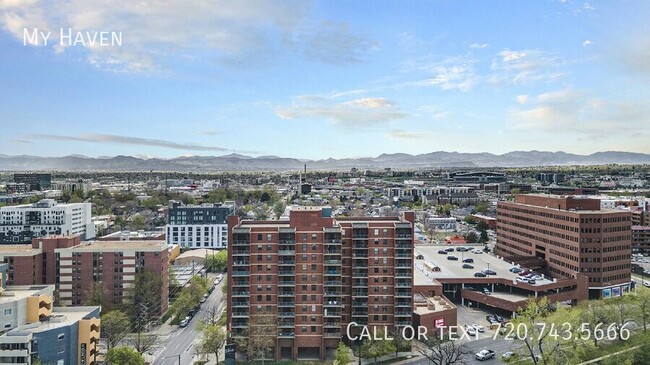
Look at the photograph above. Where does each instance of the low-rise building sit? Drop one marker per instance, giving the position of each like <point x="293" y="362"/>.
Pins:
<point x="199" y="226"/>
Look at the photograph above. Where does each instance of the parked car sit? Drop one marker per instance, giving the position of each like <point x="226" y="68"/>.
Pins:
<point x="485" y="355"/>
<point x="469" y="260"/>
<point x="479" y="328"/>
<point x="470" y="330"/>
<point x="468" y="266"/>
<point x="498" y="318"/>
<point x="491" y="319"/>
<point x="452" y="258"/>
<point x="442" y="252"/>
<point x="185" y="321"/>
<point x="525" y="272"/>
<point x="536" y="277"/>
<point x="486" y="291"/>
<point x="516" y="270"/>
<point x="477" y="251"/>
<point x="489" y="272"/>
<point x="509" y="356"/>
<point x="462" y="249"/>
<point x="479" y="275"/>
<point x="521" y="279"/>
<point x="449" y="249"/>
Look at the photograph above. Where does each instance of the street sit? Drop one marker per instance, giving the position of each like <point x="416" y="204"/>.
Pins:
<point x="182" y="340"/>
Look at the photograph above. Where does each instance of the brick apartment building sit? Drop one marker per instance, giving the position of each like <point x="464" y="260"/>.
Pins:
<point x="317" y="274"/>
<point x="572" y="235"/>
<point x="641" y="240"/>
<point x="76" y="267"/>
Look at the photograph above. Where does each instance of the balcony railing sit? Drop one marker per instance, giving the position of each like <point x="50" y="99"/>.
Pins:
<point x="239" y="293"/>
<point x="241" y="242"/>
<point x="285" y="324"/>
<point x="287" y="252"/>
<point x="359" y="293"/>
<point x="404" y="236"/>
<point x="240" y="314"/>
<point x="287" y="314"/>
<point x="403" y="323"/>
<point x="331" y="313"/>
<point x="241" y="283"/>
<point x="403" y="294"/>
<point x="332" y="324"/>
<point x="360" y="236"/>
<point x="332" y="272"/>
<point x="333" y="283"/>
<point x="403" y="265"/>
<point x="403" y="275"/>
<point x="286" y="334"/>
<point x="406" y="284"/>
<point x="332" y="252"/>
<point x="332" y="303"/>
<point x="289" y="293"/>
<point x="403" y="245"/>
<point x="335" y="241"/>
<point x="333" y="262"/>
<point x="286" y="304"/>
<point x="402" y="304"/>
<point x="240" y="252"/>
<point x="286" y="283"/>
<point x="285" y="241"/>
<point x="403" y="313"/>
<point x="286" y="262"/>
<point x="241" y="273"/>
<point x="336" y="334"/>
<point x="287" y="272"/>
<point x="240" y="304"/>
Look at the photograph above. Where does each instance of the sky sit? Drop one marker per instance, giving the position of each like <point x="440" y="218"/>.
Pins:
<point x="321" y="79"/>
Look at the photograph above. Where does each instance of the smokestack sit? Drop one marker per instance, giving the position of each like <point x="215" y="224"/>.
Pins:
<point x="305" y="170"/>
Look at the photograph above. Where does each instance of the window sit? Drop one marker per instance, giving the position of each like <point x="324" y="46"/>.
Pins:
<point x="314" y="236"/>
<point x="269" y="237"/>
<point x="259" y="236"/>
<point x="7" y="312"/>
<point x="313" y="328"/>
<point x="303" y="329"/>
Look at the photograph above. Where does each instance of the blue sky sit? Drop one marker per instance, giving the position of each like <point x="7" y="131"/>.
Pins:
<point x="320" y="79"/>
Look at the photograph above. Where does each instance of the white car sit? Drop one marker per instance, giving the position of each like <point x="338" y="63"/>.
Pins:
<point x="479" y="328"/>
<point x="484" y="355"/>
<point x="477" y="251"/>
<point x="522" y="279"/>
<point x="470" y="330"/>
<point x="536" y="277"/>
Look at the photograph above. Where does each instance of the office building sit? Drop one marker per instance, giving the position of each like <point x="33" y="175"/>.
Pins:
<point x="35" y="331"/>
<point x="199" y="226"/>
<point x="21" y="223"/>
<point x="80" y="270"/>
<point x="35" y="181"/>
<point x="317" y="274"/>
<point x="641" y="240"/>
<point x="572" y="235"/>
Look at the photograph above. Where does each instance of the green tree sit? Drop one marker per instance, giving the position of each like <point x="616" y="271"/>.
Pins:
<point x="214" y="337"/>
<point x="641" y="303"/>
<point x="75" y="199"/>
<point x="482" y="226"/>
<point x="137" y="222"/>
<point x="262" y="334"/>
<point x="115" y="326"/>
<point x="123" y="356"/>
<point x="470" y="220"/>
<point x="342" y="354"/>
<point x="144" y="298"/>
<point x="481" y="208"/>
<point x="377" y="346"/>
<point x="151" y="203"/>
<point x="278" y="208"/>
<point x="483" y="237"/>
<point x="441" y="350"/>
<point x="217" y="262"/>
<point x="471" y="237"/>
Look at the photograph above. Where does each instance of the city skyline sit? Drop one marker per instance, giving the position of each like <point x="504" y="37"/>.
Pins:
<point x="319" y="79"/>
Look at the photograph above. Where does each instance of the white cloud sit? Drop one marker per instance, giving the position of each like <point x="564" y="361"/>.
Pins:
<point x="524" y="67"/>
<point x="400" y="134"/>
<point x="570" y="111"/>
<point x="478" y="45"/>
<point x="356" y="112"/>
<point x="522" y="99"/>
<point x="588" y="6"/>
<point x="587" y="43"/>
<point x="153" y="32"/>
<point x="460" y="76"/>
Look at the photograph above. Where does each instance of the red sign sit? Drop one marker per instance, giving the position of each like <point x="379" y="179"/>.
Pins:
<point x="439" y="322"/>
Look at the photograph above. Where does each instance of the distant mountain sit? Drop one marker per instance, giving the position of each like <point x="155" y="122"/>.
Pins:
<point x="237" y="162"/>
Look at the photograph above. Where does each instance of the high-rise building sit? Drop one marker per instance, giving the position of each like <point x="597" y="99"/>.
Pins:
<point x="21" y="223"/>
<point x="35" y="181"/>
<point x="199" y="226"/>
<point x="641" y="240"/>
<point x="34" y="330"/>
<point x="572" y="235"/>
<point x="317" y="274"/>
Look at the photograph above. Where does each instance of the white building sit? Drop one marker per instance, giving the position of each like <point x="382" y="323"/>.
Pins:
<point x="21" y="223"/>
<point x="199" y="226"/>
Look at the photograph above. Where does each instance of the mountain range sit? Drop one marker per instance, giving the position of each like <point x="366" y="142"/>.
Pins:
<point x="237" y="162"/>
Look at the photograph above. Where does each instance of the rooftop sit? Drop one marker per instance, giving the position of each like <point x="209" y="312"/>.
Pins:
<point x="61" y="317"/>
<point x="119" y="245"/>
<point x="454" y="269"/>
<point x="18" y="292"/>
<point x="19" y="250"/>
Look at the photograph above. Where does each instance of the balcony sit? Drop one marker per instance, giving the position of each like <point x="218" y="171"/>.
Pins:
<point x="286" y="272"/>
<point x="240" y="263"/>
<point x="240" y="293"/>
<point x="359" y="293"/>
<point x="332" y="303"/>
<point x="360" y="283"/>
<point x="403" y="265"/>
<point x="332" y="252"/>
<point x="240" y="252"/>
<point x="403" y="245"/>
<point x="287" y="241"/>
<point x="240" y="303"/>
<point x="286" y="303"/>
<point x="333" y="283"/>
<point x="360" y="246"/>
<point x="286" y="324"/>
<point x="404" y="236"/>
<point x="331" y="313"/>
<point x="287" y="252"/>
<point x="405" y="284"/>
<point x="330" y="324"/>
<point x="286" y="334"/>
<point x="359" y="274"/>
<point x="359" y="314"/>
<point x="332" y="262"/>
<point x="286" y="283"/>
<point x="239" y="324"/>
<point x="286" y="293"/>
<point x="403" y="323"/>
<point x="241" y="273"/>
<point x="286" y="314"/>
<point x="403" y="275"/>
<point x="360" y="303"/>
<point x="241" y="283"/>
<point x="334" y="241"/>
<point x="286" y="262"/>
<point x="403" y="294"/>
<point x="403" y="304"/>
<point x="403" y="313"/>
<point x="240" y="314"/>
<point x="241" y="242"/>
<point x="360" y="236"/>
<point x="333" y="293"/>
<point x="332" y="272"/>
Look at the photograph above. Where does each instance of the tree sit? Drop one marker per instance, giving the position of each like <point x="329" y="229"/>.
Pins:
<point x="342" y="354"/>
<point x="482" y="226"/>
<point x="641" y="303"/>
<point x="471" y="237"/>
<point x="143" y="342"/>
<point x="278" y="208"/>
<point x="217" y="262"/>
<point x="483" y="237"/>
<point x="470" y="220"/>
<point x="592" y="313"/>
<point x="123" y="356"/>
<point x="377" y="346"/>
<point x="144" y="298"/>
<point x="262" y="334"/>
<point x="441" y="350"/>
<point x="137" y="222"/>
<point x="481" y="208"/>
<point x="214" y="337"/>
<point x="115" y="326"/>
